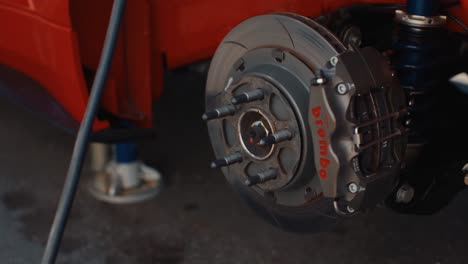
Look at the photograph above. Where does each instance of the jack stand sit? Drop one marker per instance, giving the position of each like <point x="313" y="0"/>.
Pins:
<point x="121" y="178"/>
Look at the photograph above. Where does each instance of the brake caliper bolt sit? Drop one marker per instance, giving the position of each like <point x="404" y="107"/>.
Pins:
<point x="310" y="194"/>
<point x="334" y="61"/>
<point x="353" y="187"/>
<point x="255" y="95"/>
<point x="342" y="89"/>
<point x="350" y="209"/>
<point x="262" y="177"/>
<point x="319" y="79"/>
<point x="219" y="112"/>
<point x="405" y="194"/>
<point x="227" y="161"/>
<point x="278" y="137"/>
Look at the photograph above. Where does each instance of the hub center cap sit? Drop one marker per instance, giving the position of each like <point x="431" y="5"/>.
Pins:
<point x="253" y="127"/>
<point x="262" y="136"/>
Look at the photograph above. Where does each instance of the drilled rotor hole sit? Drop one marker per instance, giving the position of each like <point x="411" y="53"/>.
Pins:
<point x="279" y="55"/>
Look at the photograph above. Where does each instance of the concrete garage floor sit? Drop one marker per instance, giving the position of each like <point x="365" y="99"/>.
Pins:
<point x="198" y="218"/>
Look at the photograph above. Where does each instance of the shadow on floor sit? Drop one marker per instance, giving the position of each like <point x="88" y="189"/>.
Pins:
<point x="198" y="218"/>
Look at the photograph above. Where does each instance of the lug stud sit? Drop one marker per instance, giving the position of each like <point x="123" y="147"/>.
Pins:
<point x="262" y="177"/>
<point x="227" y="161"/>
<point x="219" y="113"/>
<point x="278" y="137"/>
<point x="255" y="95"/>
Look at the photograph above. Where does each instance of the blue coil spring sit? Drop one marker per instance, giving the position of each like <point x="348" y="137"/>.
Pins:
<point x="420" y="64"/>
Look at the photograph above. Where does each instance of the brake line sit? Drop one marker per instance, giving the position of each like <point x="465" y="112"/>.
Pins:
<point x="82" y="139"/>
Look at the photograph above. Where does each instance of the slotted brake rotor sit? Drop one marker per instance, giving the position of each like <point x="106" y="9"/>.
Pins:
<point x="258" y="110"/>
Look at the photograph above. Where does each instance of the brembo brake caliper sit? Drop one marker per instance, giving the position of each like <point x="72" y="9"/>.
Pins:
<point x="356" y="112"/>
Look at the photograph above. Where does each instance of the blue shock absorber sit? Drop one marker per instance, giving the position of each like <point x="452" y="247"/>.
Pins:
<point x="423" y="7"/>
<point x="419" y="61"/>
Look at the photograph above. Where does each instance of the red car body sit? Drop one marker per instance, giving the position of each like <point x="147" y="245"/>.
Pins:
<point x="53" y="41"/>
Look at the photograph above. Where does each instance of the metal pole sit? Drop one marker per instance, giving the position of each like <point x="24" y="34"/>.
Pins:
<point x="79" y="150"/>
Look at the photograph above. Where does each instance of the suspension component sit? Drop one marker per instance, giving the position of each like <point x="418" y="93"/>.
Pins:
<point x="419" y="61"/>
<point x="425" y="55"/>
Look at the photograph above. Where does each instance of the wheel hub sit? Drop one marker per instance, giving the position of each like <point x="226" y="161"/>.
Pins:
<point x="264" y="129"/>
<point x="253" y="128"/>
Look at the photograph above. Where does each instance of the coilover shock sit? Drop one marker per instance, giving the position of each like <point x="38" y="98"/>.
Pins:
<point x="425" y="57"/>
<point x="420" y="60"/>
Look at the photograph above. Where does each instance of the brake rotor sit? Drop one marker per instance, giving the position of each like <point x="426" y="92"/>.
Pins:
<point x="262" y="81"/>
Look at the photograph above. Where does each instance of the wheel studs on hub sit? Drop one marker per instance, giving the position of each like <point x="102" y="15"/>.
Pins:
<point x="253" y="140"/>
<point x="219" y="112"/>
<point x="278" y="137"/>
<point x="227" y="161"/>
<point x="262" y="177"/>
<point x="255" y="95"/>
<point x="229" y="110"/>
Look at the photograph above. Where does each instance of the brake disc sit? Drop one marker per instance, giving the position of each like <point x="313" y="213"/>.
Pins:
<point x="269" y="110"/>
